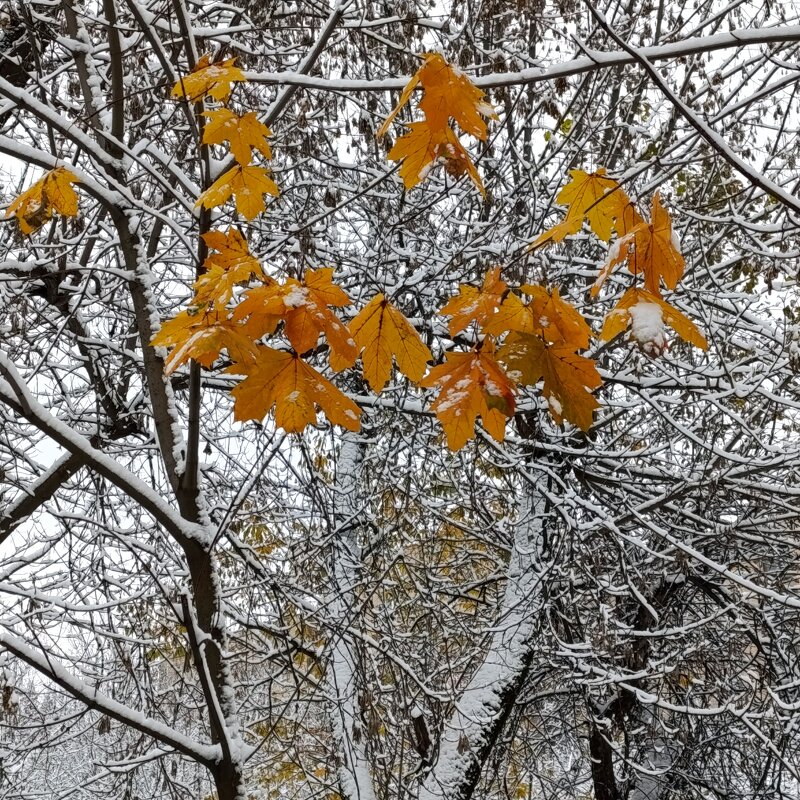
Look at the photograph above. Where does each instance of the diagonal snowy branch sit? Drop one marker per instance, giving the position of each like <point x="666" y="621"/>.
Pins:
<point x="485" y="703"/>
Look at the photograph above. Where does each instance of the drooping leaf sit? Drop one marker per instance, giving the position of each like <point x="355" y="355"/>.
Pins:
<point x="247" y="185"/>
<point x="646" y="314"/>
<point x="245" y="133"/>
<point x="201" y="335"/>
<point x="657" y="251"/>
<point x="58" y="193"/>
<point x="471" y="385"/>
<point x="594" y="197"/>
<point x="51" y="193"/>
<point x="617" y="252"/>
<point x="546" y="315"/>
<point x="207" y="79"/>
<point x="233" y="264"/>
<point x="448" y="93"/>
<point x="304" y="309"/>
<point x="282" y="379"/>
<point x="383" y="333"/>
<point x="651" y="249"/>
<point x="420" y="149"/>
<point x="405" y="96"/>
<point x="567" y="376"/>
<point x="475" y="304"/>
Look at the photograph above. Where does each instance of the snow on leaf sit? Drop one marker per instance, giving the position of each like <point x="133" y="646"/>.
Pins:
<point x="51" y="193"/>
<point x="282" y="379"/>
<point x="383" y="333"/>
<point x="304" y="309"/>
<point x="420" y="149"/>
<point x="617" y="252"/>
<point x="567" y="376"/>
<point x="447" y="93"/>
<point x="245" y="133"/>
<point x="594" y="197"/>
<point x="471" y="385"/>
<point x="207" y="79"/>
<point x="475" y="304"/>
<point x="248" y="185"/>
<point x="201" y="335"/>
<point x="632" y="310"/>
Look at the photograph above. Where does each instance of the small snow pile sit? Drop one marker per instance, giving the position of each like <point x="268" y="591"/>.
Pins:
<point x="295" y="297"/>
<point x="647" y="327"/>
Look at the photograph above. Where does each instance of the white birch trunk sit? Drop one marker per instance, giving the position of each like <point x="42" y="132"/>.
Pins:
<point x="484" y="703"/>
<point x="341" y="675"/>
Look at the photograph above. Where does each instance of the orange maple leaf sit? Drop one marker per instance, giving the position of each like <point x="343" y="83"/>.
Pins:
<point x="281" y="379"/>
<point x="546" y="315"/>
<point x="52" y="192"/>
<point x="233" y="264"/>
<point x="646" y="313"/>
<point x="595" y="197"/>
<point x="472" y="385"/>
<point x="448" y="92"/>
<point x="207" y="79"/>
<point x="383" y="333"/>
<point x="245" y="133"/>
<point x="651" y="249"/>
<point x="201" y="335"/>
<point x="566" y="375"/>
<point x="304" y="308"/>
<point x="475" y="304"/>
<point x="420" y="149"/>
<point x="248" y="185"/>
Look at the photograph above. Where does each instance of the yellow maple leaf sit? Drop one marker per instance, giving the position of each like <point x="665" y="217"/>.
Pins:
<point x="450" y="93"/>
<point x="245" y="133"/>
<point x="248" y="185"/>
<point x="207" y="79"/>
<point x="651" y="249"/>
<point x="304" y="309"/>
<point x="645" y="312"/>
<point x="471" y="385"/>
<point x="233" y="264"/>
<point x="475" y="304"/>
<point x="567" y="376"/>
<point x="282" y="379"/>
<point x="58" y="193"/>
<point x="420" y="149"/>
<point x="201" y="335"/>
<point x="546" y="314"/>
<point x="594" y="197"/>
<point x="383" y="333"/>
<point x="233" y="251"/>
<point x="52" y="192"/>
<point x="447" y="93"/>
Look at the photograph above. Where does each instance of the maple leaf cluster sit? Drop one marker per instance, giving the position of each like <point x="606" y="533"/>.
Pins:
<point x="229" y="314"/>
<point x="246" y="183"/>
<point x="448" y="94"/>
<point x="541" y="339"/>
<point x="650" y="248"/>
<point x="304" y="310"/>
<point x="523" y="338"/>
